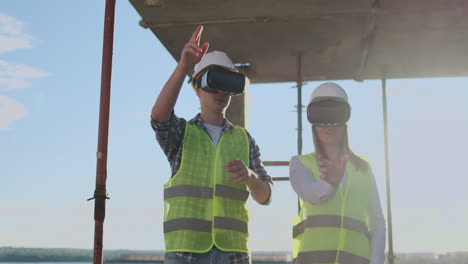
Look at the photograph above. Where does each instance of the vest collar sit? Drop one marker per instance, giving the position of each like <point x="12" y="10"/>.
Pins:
<point x="197" y="120"/>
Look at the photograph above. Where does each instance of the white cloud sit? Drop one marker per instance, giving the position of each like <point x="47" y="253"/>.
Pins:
<point x="14" y="76"/>
<point x="12" y="35"/>
<point x="10" y="110"/>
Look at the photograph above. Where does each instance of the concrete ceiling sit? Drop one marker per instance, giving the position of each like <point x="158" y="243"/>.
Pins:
<point x="358" y="39"/>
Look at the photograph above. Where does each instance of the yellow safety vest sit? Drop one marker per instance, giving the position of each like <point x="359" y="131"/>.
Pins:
<point x="201" y="208"/>
<point x="335" y="231"/>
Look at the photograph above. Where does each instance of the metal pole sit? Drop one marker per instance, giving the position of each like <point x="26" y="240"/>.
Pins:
<point x="299" y="104"/>
<point x="390" y="255"/>
<point x="100" y="193"/>
<point x="299" y="113"/>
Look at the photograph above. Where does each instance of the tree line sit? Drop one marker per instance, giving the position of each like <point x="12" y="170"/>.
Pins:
<point x="14" y="254"/>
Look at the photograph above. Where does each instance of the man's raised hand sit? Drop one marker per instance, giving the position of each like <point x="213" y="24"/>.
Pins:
<point x="192" y="52"/>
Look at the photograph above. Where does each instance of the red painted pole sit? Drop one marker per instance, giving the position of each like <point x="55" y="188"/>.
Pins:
<point x="276" y="163"/>
<point x="100" y="193"/>
<point x="280" y="178"/>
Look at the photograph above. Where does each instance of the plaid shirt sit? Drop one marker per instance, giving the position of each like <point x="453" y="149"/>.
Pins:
<point x="170" y="136"/>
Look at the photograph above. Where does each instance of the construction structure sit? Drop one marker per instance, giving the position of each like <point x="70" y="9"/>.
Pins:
<point x="303" y="40"/>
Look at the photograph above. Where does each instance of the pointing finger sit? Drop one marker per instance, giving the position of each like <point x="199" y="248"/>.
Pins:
<point x="205" y="47"/>
<point x="197" y="35"/>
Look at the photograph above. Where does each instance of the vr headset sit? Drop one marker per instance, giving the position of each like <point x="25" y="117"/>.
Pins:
<point x="328" y="112"/>
<point x="220" y="79"/>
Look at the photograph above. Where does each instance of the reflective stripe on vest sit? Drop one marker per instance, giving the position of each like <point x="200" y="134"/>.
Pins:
<point x="206" y="192"/>
<point x="188" y="190"/>
<point x="230" y="192"/>
<point x="187" y="224"/>
<point x="205" y="225"/>
<point x="231" y="224"/>
<point x="329" y="256"/>
<point x="330" y="221"/>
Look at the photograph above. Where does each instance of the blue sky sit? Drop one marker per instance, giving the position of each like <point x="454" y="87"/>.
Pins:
<point x="50" y="66"/>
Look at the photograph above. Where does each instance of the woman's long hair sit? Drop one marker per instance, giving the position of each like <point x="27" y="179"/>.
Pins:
<point x="360" y="164"/>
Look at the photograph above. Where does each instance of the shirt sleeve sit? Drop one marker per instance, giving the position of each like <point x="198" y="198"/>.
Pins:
<point x="170" y="135"/>
<point x="257" y="166"/>
<point x="376" y="227"/>
<point x="306" y="186"/>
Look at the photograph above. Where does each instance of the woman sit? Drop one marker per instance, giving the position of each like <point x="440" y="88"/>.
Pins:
<point x="340" y="220"/>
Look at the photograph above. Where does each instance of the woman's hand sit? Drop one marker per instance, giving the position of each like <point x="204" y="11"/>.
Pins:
<point x="332" y="171"/>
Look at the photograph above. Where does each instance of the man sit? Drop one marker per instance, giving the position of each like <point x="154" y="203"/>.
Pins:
<point x="215" y="166"/>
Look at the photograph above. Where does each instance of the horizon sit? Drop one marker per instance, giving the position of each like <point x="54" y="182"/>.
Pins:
<point x="259" y="251"/>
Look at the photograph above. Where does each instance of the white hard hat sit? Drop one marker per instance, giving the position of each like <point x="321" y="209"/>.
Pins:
<point x="328" y="105"/>
<point x="213" y="58"/>
<point x="329" y="90"/>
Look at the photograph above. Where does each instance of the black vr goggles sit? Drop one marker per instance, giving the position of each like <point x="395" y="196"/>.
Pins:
<point x="219" y="79"/>
<point x="328" y="112"/>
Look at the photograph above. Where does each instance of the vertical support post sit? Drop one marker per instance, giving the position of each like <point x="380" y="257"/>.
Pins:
<point x="390" y="255"/>
<point x="299" y="103"/>
<point x="299" y="113"/>
<point x="238" y="109"/>
<point x="100" y="193"/>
